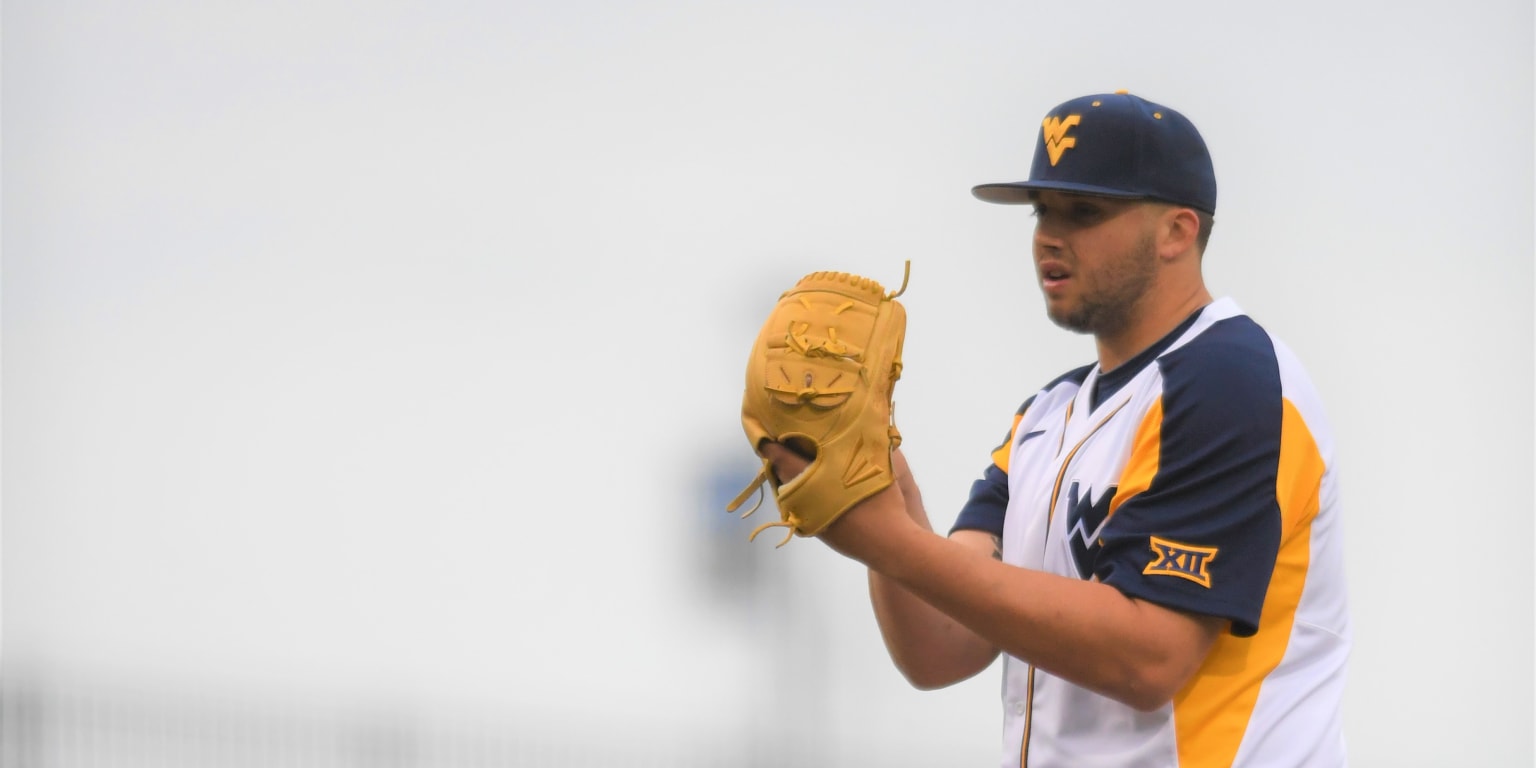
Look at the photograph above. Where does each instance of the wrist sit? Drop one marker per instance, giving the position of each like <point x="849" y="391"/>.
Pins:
<point x="875" y="530"/>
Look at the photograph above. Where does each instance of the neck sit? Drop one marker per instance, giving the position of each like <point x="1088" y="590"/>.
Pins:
<point x="1154" y="321"/>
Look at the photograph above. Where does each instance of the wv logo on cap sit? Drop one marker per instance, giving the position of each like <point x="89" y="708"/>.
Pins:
<point x="1057" y="141"/>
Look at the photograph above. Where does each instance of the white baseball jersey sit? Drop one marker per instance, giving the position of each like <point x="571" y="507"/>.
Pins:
<point x="1199" y="476"/>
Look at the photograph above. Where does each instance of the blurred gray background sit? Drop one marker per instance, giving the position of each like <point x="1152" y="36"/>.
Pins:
<point x="370" y="369"/>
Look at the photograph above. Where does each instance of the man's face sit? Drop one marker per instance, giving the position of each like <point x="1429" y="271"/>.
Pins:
<point x="1095" y="259"/>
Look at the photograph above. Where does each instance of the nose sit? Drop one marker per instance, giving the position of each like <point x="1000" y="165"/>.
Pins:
<point x="1047" y="239"/>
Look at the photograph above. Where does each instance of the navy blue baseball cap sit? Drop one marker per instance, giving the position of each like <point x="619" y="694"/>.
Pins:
<point x="1116" y="145"/>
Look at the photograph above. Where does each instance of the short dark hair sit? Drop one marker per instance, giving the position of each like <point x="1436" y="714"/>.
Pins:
<point x="1206" y="222"/>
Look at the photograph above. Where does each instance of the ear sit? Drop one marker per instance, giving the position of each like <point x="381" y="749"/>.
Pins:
<point x="1178" y="232"/>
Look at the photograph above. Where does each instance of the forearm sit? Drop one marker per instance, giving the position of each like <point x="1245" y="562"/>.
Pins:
<point x="930" y="648"/>
<point x="943" y="599"/>
<point x="1082" y="631"/>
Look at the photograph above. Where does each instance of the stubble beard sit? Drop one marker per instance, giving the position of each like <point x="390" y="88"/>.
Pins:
<point x="1112" y="307"/>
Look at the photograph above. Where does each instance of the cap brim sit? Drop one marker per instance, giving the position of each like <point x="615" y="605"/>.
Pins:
<point x="1021" y="192"/>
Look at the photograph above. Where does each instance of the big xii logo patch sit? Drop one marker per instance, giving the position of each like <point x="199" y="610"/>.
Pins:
<point x="1057" y="142"/>
<point x="1186" y="561"/>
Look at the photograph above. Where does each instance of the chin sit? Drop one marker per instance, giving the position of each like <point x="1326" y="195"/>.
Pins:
<point x="1065" y="320"/>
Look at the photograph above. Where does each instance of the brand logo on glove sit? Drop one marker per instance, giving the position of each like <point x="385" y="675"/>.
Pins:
<point x="1057" y="142"/>
<point x="1185" y="561"/>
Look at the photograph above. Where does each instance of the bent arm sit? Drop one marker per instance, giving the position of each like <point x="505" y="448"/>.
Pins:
<point x="947" y="606"/>
<point x="930" y="648"/>
<point x="1131" y="650"/>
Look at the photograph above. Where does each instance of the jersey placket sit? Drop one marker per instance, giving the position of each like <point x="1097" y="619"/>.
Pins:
<point x="1063" y="467"/>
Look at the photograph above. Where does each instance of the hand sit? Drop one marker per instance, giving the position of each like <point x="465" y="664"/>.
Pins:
<point x="786" y="463"/>
<point x="903" y="474"/>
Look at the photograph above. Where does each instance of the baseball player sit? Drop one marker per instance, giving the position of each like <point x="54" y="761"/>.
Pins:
<point x="1155" y="548"/>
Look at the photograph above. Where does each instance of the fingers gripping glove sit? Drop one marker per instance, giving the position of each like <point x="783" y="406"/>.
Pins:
<point x="819" y="381"/>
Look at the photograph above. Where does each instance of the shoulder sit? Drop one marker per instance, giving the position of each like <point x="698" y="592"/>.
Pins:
<point x="1231" y="361"/>
<point x="1232" y="342"/>
<point x="1059" y="390"/>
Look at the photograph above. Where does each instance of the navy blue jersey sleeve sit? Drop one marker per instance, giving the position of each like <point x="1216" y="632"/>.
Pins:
<point x="1203" y="534"/>
<point x="988" y="502"/>
<point x="987" y="505"/>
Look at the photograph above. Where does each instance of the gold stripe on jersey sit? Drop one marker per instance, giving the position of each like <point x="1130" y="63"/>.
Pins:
<point x="1001" y="453"/>
<point x="1146" y="455"/>
<point x="1067" y="462"/>
<point x="1029" y="717"/>
<point x="1212" y="712"/>
<point x="1061" y="442"/>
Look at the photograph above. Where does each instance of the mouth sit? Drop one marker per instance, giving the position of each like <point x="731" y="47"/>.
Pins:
<point x="1053" y="274"/>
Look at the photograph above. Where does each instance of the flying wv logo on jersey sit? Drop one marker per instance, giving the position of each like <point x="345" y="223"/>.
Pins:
<point x="1085" y="522"/>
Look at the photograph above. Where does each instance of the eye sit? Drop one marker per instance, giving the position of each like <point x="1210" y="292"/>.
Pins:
<point x="1085" y="213"/>
<point x="1074" y="213"/>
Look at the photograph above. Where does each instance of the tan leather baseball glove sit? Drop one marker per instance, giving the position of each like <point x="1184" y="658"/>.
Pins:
<point x="820" y="381"/>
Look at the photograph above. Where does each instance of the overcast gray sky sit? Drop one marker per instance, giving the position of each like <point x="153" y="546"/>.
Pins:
<point x="393" y="350"/>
